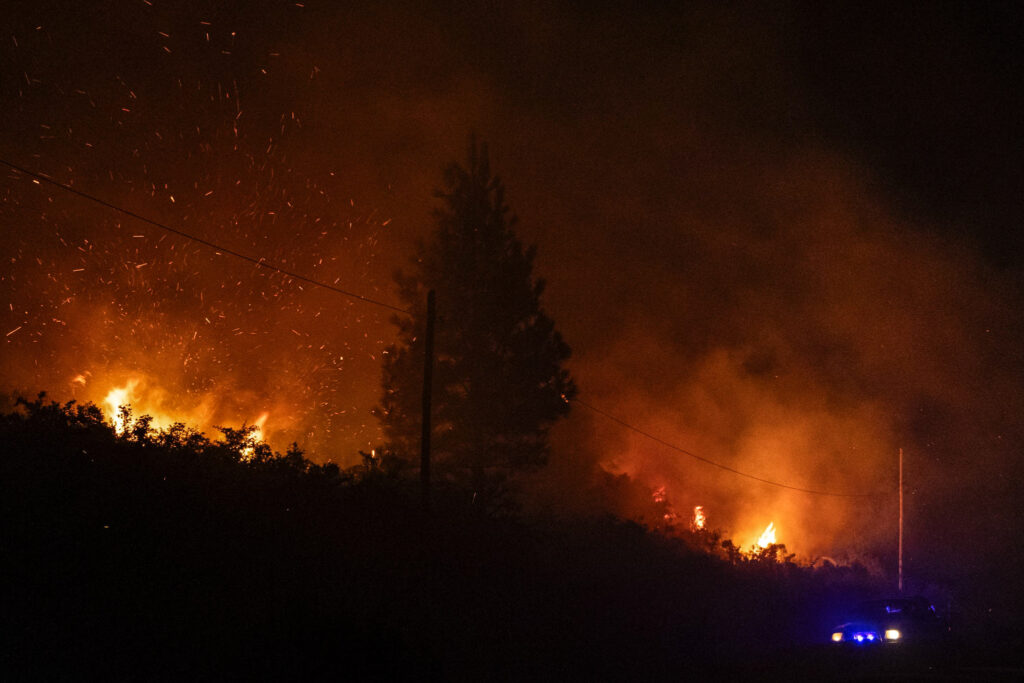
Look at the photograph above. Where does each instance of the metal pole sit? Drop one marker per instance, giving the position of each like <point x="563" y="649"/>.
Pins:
<point x="428" y="375"/>
<point x="901" y="525"/>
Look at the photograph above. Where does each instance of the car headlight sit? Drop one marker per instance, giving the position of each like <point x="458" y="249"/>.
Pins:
<point x="837" y="637"/>
<point x="893" y="634"/>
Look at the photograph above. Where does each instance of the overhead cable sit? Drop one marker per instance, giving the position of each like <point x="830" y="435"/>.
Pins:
<point x="245" y="257"/>
<point x="719" y="465"/>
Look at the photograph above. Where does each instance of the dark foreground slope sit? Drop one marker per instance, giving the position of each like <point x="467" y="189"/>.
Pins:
<point x="170" y="557"/>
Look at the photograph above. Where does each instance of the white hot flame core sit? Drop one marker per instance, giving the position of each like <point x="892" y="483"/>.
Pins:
<point x="699" y="520"/>
<point x="767" y="537"/>
<point x="116" y="398"/>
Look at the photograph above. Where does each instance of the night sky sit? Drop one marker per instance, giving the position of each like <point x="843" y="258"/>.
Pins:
<point x="786" y="239"/>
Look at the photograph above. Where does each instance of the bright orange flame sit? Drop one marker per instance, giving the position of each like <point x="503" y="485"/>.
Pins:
<point x="146" y="398"/>
<point x="256" y="436"/>
<point x="117" y="397"/>
<point x="768" y="537"/>
<point x="699" y="520"/>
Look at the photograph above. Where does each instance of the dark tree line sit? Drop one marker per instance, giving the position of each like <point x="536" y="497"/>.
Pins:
<point x="164" y="555"/>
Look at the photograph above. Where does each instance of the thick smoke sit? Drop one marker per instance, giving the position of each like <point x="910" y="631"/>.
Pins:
<point x="806" y="347"/>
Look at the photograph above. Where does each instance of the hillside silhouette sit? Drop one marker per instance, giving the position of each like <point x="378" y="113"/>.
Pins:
<point x="167" y="555"/>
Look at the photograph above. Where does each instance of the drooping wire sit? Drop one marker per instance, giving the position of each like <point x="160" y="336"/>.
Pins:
<point x="708" y="461"/>
<point x="263" y="264"/>
<point x="216" y="247"/>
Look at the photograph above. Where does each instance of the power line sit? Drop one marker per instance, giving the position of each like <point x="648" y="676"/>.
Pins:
<point x="257" y="261"/>
<point x="263" y="264"/>
<point x="674" y="447"/>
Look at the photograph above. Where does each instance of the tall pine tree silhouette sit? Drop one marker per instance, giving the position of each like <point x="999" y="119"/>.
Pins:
<point x="499" y="380"/>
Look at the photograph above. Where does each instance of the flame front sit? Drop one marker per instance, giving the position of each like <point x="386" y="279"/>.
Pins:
<point x="164" y="409"/>
<point x="767" y="537"/>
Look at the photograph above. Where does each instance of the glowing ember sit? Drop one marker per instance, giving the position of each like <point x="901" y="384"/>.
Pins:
<point x="660" y="497"/>
<point x="699" y="520"/>
<point x="767" y="537"/>
<point x="115" y="400"/>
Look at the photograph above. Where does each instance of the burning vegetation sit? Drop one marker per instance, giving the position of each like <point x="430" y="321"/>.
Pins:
<point x="767" y="537"/>
<point x="699" y="519"/>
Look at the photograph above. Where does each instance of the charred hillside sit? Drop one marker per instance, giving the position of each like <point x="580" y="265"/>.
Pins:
<point x="168" y="555"/>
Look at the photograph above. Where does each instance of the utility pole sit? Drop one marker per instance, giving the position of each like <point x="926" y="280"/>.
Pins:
<point x="900" y="571"/>
<point x="428" y="377"/>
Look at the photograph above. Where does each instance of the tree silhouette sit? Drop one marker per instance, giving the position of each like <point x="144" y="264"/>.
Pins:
<point x="499" y="381"/>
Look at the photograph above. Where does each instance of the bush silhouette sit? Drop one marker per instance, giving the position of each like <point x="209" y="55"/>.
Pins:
<point x="163" y="554"/>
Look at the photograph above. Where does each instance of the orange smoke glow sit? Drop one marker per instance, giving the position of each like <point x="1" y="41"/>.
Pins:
<point x="258" y="423"/>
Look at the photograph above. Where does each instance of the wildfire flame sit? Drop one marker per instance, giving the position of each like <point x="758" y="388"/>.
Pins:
<point x="141" y="394"/>
<point x="256" y="436"/>
<point x="699" y="520"/>
<point x="116" y="398"/>
<point x="767" y="537"/>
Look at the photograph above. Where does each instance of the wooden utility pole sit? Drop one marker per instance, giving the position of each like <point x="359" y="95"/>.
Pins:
<point x="900" y="571"/>
<point x="428" y="378"/>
